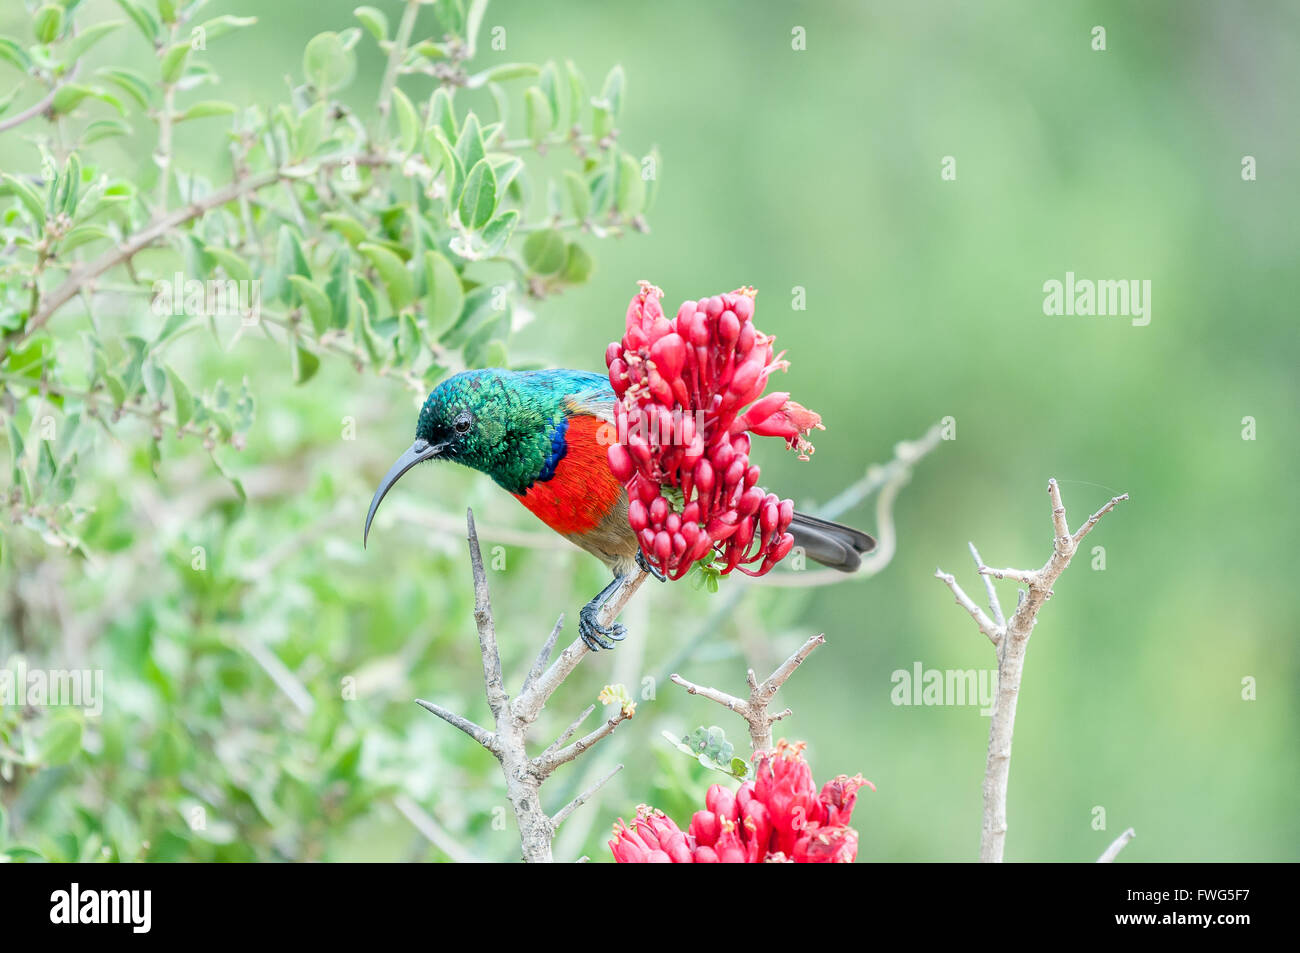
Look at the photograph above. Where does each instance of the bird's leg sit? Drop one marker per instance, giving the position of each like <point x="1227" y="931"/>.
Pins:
<point x="649" y="567"/>
<point x="590" y="628"/>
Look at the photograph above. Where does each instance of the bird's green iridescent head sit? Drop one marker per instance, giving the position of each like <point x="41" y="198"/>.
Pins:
<point x="507" y="424"/>
<point x="501" y="423"/>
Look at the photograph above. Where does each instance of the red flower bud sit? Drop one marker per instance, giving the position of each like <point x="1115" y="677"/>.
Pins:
<point x="620" y="462"/>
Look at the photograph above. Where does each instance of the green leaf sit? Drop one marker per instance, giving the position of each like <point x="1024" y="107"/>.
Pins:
<point x="545" y="252"/>
<point x="87" y="38"/>
<point x="9" y="185"/>
<point x="612" y="93"/>
<point x="310" y="131"/>
<point x="143" y="18"/>
<point x="131" y="83"/>
<point x="397" y="280"/>
<point x="61" y="741"/>
<point x="579" y="194"/>
<point x="68" y="97"/>
<point x="441" y="113"/>
<point x="104" y="129"/>
<point x="439" y="153"/>
<point x="173" y="61"/>
<point x="652" y="183"/>
<point x="48" y="22"/>
<point x="469" y="146"/>
<point x="82" y="234"/>
<point x="478" y="200"/>
<point x="577" y="86"/>
<point x="167" y="10"/>
<point x="155" y="378"/>
<point x="206" y="108"/>
<point x="28" y="360"/>
<point x="578" y="265"/>
<point x="327" y="63"/>
<point x="181" y="398"/>
<point x="220" y="26"/>
<point x="549" y="85"/>
<point x="305" y="364"/>
<point x="506" y="168"/>
<point x="235" y="483"/>
<point x="497" y="74"/>
<point x="116" y="389"/>
<point x="341" y="290"/>
<point x="345" y="225"/>
<point x="315" y="301"/>
<point x="473" y="20"/>
<point x="234" y="266"/>
<point x="499" y="230"/>
<point x="67" y="201"/>
<point x="538" y="116"/>
<point x="375" y="22"/>
<point x="445" y="295"/>
<point x="408" y="122"/>
<point x="629" y="192"/>
<point x="289" y="260"/>
<point x="11" y="52"/>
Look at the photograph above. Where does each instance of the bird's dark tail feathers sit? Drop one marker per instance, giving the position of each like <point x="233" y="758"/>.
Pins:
<point x="831" y="544"/>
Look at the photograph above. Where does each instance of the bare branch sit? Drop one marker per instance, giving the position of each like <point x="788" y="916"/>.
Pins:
<point x="712" y="694"/>
<point x="544" y="656"/>
<point x="567" y="733"/>
<point x="763" y="693"/>
<point x="544" y="766"/>
<point x="563" y="813"/>
<point x="487" y="636"/>
<point x="1086" y="528"/>
<point x="1111" y="852"/>
<point x="83" y="274"/>
<point x="524" y="775"/>
<point x="477" y="732"/>
<point x="754" y="710"/>
<point x="423" y="822"/>
<point x="995" y="606"/>
<point x="986" y="625"/>
<point x="1012" y="639"/>
<point x="41" y="105"/>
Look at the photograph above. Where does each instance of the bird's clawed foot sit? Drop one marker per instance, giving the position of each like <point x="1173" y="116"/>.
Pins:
<point x="649" y="567"/>
<point x="598" y="636"/>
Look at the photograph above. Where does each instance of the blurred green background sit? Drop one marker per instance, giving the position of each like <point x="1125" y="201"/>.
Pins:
<point x="816" y="169"/>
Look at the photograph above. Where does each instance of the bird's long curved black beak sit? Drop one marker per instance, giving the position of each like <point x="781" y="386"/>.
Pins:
<point x="419" y="451"/>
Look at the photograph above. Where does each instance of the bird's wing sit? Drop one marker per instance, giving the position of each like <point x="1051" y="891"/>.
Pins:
<point x="592" y="395"/>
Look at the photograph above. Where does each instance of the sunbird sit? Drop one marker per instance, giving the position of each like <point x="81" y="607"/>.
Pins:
<point x="539" y="435"/>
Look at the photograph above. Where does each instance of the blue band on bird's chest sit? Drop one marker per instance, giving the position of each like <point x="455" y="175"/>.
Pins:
<point x="559" y="447"/>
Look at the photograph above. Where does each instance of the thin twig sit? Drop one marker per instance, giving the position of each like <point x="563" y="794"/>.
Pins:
<point x="433" y="832"/>
<point x="544" y="656"/>
<point x="475" y="731"/>
<point x="563" y="813"/>
<point x="995" y="605"/>
<point x="1111" y="852"/>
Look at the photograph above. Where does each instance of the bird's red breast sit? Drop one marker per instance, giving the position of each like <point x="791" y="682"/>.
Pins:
<point x="583" y="490"/>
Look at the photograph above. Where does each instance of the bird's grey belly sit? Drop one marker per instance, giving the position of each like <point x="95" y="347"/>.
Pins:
<point x="613" y="541"/>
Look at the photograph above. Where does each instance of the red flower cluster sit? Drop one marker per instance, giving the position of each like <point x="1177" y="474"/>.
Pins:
<point x="683" y="387"/>
<point x="778" y="817"/>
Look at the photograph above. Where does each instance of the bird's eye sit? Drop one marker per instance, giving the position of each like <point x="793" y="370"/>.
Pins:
<point x="462" y="425"/>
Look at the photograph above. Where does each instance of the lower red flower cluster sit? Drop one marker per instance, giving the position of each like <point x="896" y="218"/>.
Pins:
<point x="780" y="816"/>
